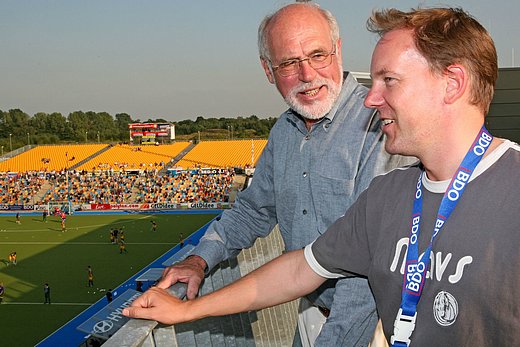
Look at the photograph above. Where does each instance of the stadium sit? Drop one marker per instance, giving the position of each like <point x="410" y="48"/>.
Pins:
<point x="61" y="205"/>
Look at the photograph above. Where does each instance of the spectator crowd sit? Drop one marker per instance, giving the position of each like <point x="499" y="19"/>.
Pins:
<point x="107" y="187"/>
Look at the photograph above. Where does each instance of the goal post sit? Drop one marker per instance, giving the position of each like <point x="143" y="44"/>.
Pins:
<point x="62" y="206"/>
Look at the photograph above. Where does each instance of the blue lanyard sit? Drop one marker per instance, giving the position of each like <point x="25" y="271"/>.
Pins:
<point x="416" y="268"/>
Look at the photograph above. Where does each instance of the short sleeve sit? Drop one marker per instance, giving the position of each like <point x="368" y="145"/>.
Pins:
<point x="343" y="249"/>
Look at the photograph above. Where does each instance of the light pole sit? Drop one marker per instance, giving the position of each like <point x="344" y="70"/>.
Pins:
<point x="67" y="178"/>
<point x="10" y="143"/>
<point x="28" y="141"/>
<point x="98" y="137"/>
<point x="86" y="133"/>
<point x="2" y="151"/>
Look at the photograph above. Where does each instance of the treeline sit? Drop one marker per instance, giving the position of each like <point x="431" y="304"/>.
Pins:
<point x="19" y="129"/>
<point x="240" y="127"/>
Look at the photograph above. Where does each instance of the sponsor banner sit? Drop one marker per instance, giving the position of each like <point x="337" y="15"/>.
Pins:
<point x="202" y="171"/>
<point x="199" y="205"/>
<point x="142" y="125"/>
<point x="16" y="207"/>
<point x="106" y="207"/>
<point x="174" y="172"/>
<point x="118" y="207"/>
<point x="100" y="206"/>
<point x="211" y="171"/>
<point x="125" y="206"/>
<point x="109" y="319"/>
<point x="165" y="206"/>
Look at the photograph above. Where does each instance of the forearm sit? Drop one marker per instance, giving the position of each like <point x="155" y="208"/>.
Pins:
<point x="283" y="279"/>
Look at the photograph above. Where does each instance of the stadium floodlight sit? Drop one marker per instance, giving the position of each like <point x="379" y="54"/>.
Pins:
<point x="68" y="182"/>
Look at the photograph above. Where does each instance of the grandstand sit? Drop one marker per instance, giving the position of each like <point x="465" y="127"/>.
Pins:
<point x="126" y="157"/>
<point x="50" y="158"/>
<point x="125" y="174"/>
<point x="241" y="153"/>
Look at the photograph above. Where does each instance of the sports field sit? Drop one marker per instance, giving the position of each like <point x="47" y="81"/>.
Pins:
<point x="45" y="254"/>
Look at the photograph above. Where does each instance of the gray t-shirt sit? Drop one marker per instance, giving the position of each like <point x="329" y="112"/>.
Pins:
<point x="472" y="297"/>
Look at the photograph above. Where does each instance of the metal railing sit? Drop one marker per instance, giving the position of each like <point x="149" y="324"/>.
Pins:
<point x="141" y="333"/>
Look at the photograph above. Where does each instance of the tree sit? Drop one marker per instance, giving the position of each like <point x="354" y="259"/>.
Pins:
<point x="121" y="125"/>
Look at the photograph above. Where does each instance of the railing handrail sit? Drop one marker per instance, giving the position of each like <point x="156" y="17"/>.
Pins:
<point x="135" y="331"/>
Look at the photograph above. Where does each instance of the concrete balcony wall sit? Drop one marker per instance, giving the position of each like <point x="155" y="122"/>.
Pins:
<point x="269" y="327"/>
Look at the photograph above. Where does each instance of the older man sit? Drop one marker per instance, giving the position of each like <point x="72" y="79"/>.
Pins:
<point x="323" y="151"/>
<point x="426" y="236"/>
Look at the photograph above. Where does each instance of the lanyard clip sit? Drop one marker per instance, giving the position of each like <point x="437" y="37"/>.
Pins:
<point x="403" y="328"/>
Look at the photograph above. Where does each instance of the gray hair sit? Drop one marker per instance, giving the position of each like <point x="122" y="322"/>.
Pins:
<point x="263" y="44"/>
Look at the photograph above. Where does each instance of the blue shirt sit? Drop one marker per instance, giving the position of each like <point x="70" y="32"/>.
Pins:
<point x="305" y="180"/>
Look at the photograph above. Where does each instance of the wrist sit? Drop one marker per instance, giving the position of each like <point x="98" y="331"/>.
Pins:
<point x="197" y="261"/>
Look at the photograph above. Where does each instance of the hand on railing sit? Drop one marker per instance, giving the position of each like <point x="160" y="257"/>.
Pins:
<point x="189" y="271"/>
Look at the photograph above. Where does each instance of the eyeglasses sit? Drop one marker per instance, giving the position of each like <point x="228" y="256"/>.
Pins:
<point x="318" y="60"/>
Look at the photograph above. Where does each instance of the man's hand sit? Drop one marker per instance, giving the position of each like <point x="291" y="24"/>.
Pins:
<point x="282" y="279"/>
<point x="190" y="271"/>
<point x="157" y="304"/>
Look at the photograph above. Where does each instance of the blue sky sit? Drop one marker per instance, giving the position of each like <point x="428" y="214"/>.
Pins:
<point x="176" y="59"/>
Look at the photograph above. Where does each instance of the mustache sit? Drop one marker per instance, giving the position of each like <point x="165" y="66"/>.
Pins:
<point x="302" y="87"/>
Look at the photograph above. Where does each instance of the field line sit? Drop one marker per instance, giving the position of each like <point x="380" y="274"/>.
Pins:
<point x="75" y="228"/>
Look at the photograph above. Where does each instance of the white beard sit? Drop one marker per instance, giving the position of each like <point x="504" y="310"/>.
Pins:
<point x="318" y="109"/>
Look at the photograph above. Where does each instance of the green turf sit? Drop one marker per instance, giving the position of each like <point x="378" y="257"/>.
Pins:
<point x="45" y="254"/>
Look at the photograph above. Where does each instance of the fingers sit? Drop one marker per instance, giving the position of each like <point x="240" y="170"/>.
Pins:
<point x="157" y="304"/>
<point x="137" y="312"/>
<point x="144" y="300"/>
<point x="186" y="271"/>
<point x="168" y="278"/>
<point x="193" y="288"/>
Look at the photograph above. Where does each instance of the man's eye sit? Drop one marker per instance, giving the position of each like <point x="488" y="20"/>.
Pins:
<point x="287" y="63"/>
<point x="319" y="56"/>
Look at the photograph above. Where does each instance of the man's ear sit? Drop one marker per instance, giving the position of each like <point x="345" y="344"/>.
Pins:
<point x="267" y="70"/>
<point x="457" y="83"/>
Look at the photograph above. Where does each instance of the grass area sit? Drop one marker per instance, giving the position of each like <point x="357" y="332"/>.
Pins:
<point x="46" y="255"/>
